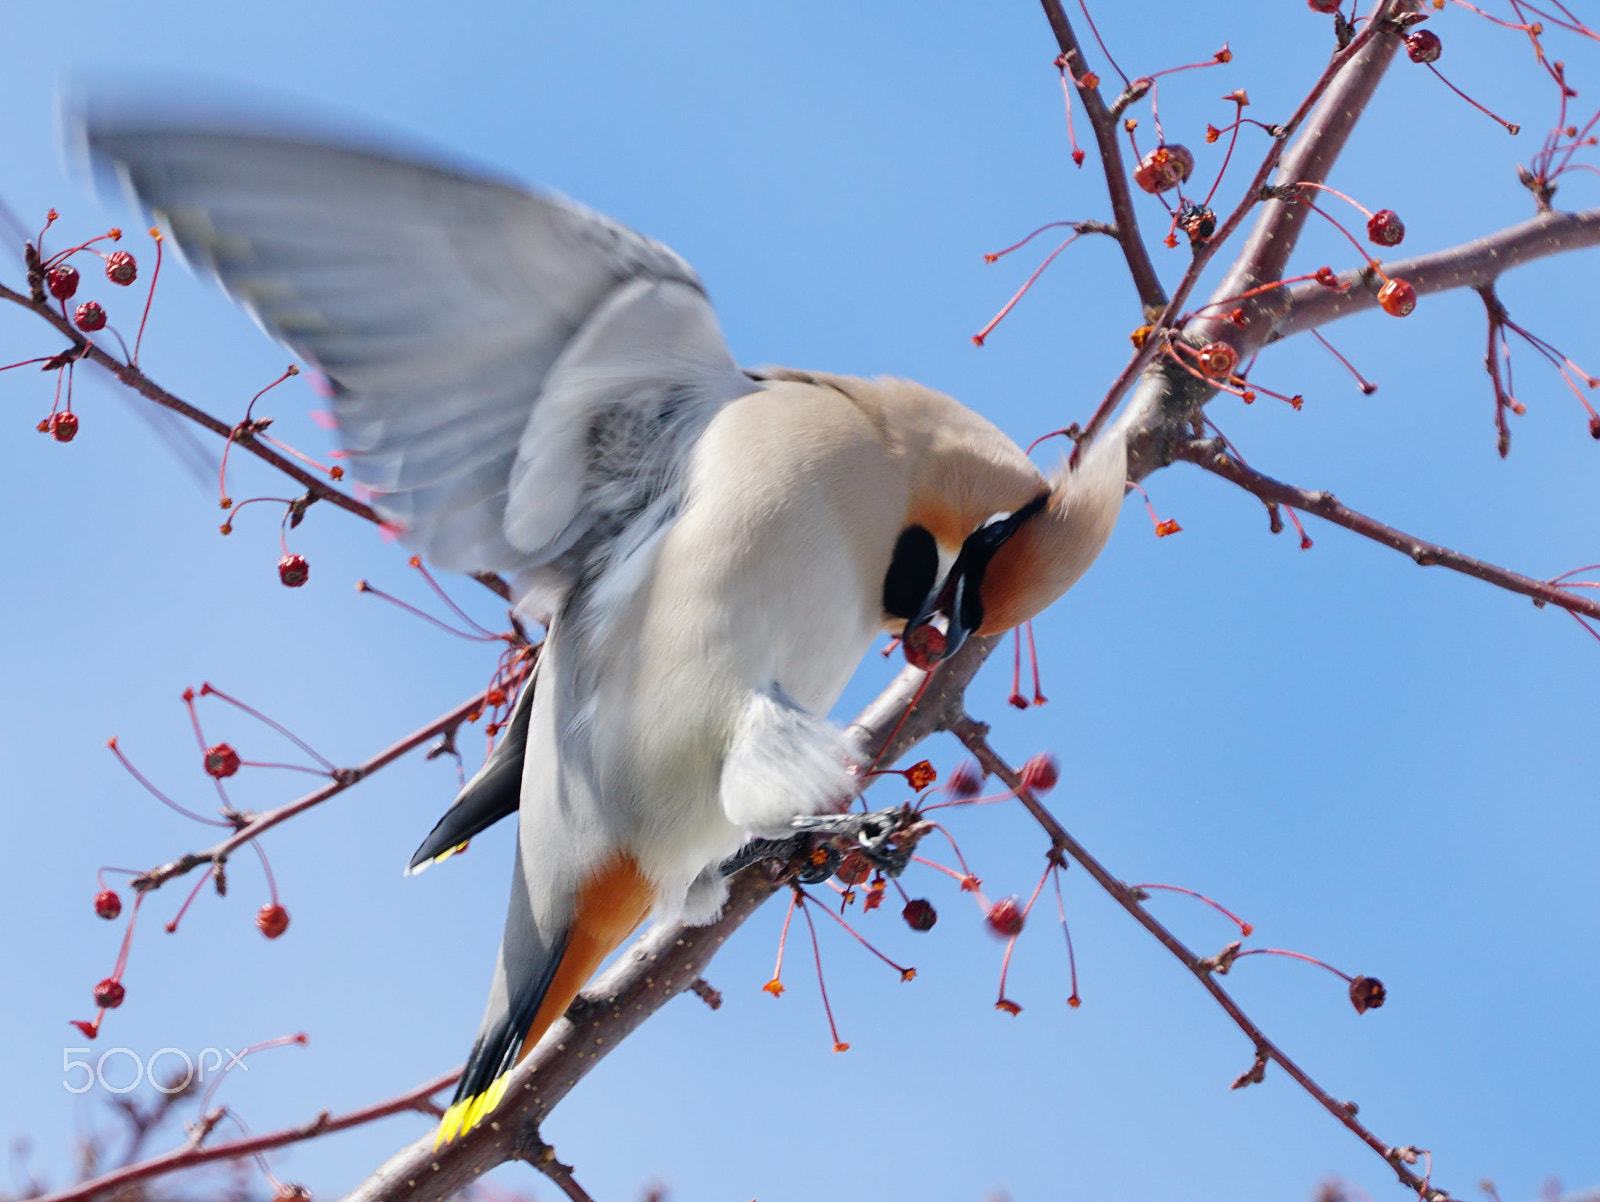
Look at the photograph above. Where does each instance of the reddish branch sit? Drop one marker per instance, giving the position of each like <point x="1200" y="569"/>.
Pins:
<point x="1343" y="88"/>
<point x="136" y="379"/>
<point x="1471" y="265"/>
<point x="193" y="1155"/>
<point x="344" y="778"/>
<point x="975" y="735"/>
<point x="1212" y="455"/>
<point x="1106" y="129"/>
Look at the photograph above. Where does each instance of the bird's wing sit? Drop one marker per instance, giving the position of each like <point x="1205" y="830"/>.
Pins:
<point x="442" y="306"/>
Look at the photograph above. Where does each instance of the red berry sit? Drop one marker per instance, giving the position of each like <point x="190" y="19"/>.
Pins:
<point x="1397" y="298"/>
<point x="1005" y="918"/>
<point x="924" y="646"/>
<point x="965" y="781"/>
<point x="293" y="570"/>
<point x="64" y="426"/>
<point x="1324" y="6"/>
<point x="1164" y="168"/>
<point x="221" y="761"/>
<point x="853" y="869"/>
<point x="62" y="281"/>
<point x="920" y="915"/>
<point x="272" y="921"/>
<point x="1385" y="228"/>
<point x="1367" y="993"/>
<point x="1218" y="359"/>
<point x="1424" y="46"/>
<point x="1039" y="775"/>
<point x="109" y="993"/>
<point x="120" y="268"/>
<point x="107" y="904"/>
<point x="90" y="317"/>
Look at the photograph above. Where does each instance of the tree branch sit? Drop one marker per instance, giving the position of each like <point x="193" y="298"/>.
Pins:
<point x="975" y="735"/>
<point x="1471" y="265"/>
<point x="1152" y="296"/>
<point x="1212" y="455"/>
<point x="192" y="1156"/>
<point x="136" y="379"/>
<point x="347" y="777"/>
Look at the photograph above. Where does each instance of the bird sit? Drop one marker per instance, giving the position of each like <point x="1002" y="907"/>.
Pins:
<point x="532" y="389"/>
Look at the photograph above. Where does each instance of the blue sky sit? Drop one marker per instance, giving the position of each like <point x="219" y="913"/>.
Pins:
<point x="1388" y="767"/>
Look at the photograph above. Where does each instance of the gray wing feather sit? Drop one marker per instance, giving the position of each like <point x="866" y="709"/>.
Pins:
<point x="439" y="304"/>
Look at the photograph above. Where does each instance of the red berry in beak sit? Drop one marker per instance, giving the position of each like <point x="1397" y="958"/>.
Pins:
<point x="62" y="281"/>
<point x="1385" y="228"/>
<point x="120" y="268"/>
<point x="272" y="921"/>
<point x="221" y="761"/>
<point x="107" y="904"/>
<point x="109" y="993"/>
<point x="924" y="646"/>
<point x="293" y="570"/>
<point x="1005" y="918"/>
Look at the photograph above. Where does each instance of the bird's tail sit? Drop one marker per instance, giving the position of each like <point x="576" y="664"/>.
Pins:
<point x="537" y="978"/>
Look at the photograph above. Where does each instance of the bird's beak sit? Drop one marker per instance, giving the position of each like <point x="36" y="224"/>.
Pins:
<point x="958" y="598"/>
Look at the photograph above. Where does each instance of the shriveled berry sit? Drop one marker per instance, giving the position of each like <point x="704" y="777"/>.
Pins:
<point x="221" y="760"/>
<point x="1385" y="228"/>
<point x="1198" y="222"/>
<point x="1005" y="918"/>
<point x="89" y="316"/>
<point x="1324" y="6"/>
<point x="1039" y="774"/>
<point x="293" y="570"/>
<point x="272" y="921"/>
<point x="109" y="993"/>
<point x="1423" y="46"/>
<point x="1218" y="359"/>
<point x="62" y="280"/>
<point x="1397" y="298"/>
<point x="107" y="904"/>
<point x="1367" y="993"/>
<point x="120" y="268"/>
<point x="920" y="915"/>
<point x="1164" y="168"/>
<point x="289" y="1191"/>
<point x="64" y="426"/>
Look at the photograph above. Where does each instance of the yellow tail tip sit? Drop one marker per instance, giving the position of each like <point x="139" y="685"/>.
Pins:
<point x="464" y="1115"/>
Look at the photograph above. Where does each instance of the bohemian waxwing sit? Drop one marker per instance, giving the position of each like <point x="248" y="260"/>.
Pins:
<point x="529" y="388"/>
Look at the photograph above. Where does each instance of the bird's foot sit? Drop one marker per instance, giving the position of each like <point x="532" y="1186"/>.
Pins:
<point x="885" y="838"/>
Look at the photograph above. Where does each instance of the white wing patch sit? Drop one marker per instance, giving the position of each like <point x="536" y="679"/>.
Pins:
<point x="784" y="762"/>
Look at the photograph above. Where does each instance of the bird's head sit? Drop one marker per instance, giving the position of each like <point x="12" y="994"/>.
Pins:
<point x="1016" y="561"/>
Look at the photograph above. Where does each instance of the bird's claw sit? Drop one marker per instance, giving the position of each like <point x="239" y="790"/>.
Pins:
<point x="885" y="838"/>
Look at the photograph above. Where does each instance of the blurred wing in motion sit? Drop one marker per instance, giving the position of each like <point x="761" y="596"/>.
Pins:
<point x="516" y="377"/>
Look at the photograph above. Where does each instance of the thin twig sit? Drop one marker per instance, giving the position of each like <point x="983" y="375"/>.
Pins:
<point x="975" y="735"/>
<point x="192" y="1156"/>
<point x="1210" y="454"/>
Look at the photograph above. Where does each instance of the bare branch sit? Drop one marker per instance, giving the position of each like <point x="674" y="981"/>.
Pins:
<point x="1152" y="296"/>
<point x="347" y="777"/>
<point x="1212" y="455"/>
<point x="975" y="735"/>
<point x="191" y="1156"/>
<point x="1470" y="265"/>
